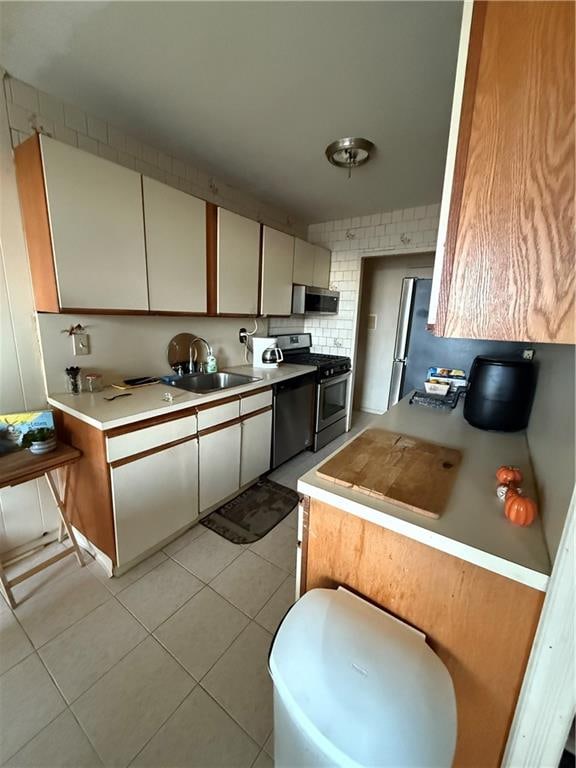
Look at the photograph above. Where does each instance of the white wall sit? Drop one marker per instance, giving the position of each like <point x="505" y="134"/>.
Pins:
<point x="410" y="230"/>
<point x="26" y="511"/>
<point x="381" y="291"/>
<point x="551" y="436"/>
<point x="121" y="347"/>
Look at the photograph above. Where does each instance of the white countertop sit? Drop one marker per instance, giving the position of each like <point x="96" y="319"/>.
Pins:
<point x="473" y="526"/>
<point x="146" y="402"/>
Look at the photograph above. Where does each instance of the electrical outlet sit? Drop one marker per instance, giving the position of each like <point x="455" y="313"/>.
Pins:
<point x="527" y="354"/>
<point x="242" y="335"/>
<point x="81" y="344"/>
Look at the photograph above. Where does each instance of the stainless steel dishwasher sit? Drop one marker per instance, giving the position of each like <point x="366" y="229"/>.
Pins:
<point x="293" y="412"/>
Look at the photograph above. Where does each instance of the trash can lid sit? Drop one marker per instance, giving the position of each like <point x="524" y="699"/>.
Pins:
<point x="363" y="685"/>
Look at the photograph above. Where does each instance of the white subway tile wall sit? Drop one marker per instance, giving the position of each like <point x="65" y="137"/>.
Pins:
<point x="407" y="230"/>
<point x="31" y="110"/>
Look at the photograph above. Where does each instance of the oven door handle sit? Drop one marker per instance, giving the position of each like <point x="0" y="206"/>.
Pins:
<point x="335" y="379"/>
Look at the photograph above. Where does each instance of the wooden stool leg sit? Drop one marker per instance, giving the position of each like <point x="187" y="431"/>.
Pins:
<point x="6" y="589"/>
<point x="62" y="504"/>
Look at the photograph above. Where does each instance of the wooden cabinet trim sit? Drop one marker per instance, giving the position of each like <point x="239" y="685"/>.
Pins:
<point x="216" y="403"/>
<point x="219" y="427"/>
<point x="34" y="207"/>
<point x="211" y="258"/>
<point x="91" y="510"/>
<point x="461" y="161"/>
<point x="150" y="451"/>
<point x="255" y="413"/>
<point x="137" y="425"/>
<point x="252" y="392"/>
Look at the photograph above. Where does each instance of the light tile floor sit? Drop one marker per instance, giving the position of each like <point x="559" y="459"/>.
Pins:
<point x="164" y="666"/>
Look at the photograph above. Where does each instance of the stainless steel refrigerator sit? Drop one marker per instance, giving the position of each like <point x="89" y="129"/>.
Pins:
<point x="416" y="348"/>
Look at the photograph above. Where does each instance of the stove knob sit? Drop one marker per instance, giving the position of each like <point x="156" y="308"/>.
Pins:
<point x="331" y="371"/>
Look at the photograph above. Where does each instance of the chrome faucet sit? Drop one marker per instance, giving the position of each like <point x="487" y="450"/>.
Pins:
<point x="199" y="366"/>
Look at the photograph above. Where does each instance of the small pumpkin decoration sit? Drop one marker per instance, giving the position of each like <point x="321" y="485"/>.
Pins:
<point x="519" y="509"/>
<point x="509" y="475"/>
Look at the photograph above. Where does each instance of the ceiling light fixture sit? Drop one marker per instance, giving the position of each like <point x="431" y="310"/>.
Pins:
<point x="349" y="153"/>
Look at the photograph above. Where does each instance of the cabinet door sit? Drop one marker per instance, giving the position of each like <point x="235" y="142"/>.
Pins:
<point x="321" y="267"/>
<point x="238" y="252"/>
<point x="303" y="273"/>
<point x="277" y="267"/>
<point x="95" y="210"/>
<point x="175" y="226"/>
<point x="508" y="263"/>
<point x="154" y="497"/>
<point x="219" y="465"/>
<point x="256" y="444"/>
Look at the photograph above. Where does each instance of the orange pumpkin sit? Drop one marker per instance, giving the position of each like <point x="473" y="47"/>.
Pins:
<point x="520" y="510"/>
<point x="509" y="475"/>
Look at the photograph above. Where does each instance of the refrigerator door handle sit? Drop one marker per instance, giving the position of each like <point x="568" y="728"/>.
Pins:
<point x="396" y="382"/>
<point x="403" y="327"/>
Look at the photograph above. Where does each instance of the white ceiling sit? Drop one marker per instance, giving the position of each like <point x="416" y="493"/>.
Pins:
<point x="254" y="91"/>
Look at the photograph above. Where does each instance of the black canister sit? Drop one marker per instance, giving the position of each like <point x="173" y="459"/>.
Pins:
<point x="500" y="393"/>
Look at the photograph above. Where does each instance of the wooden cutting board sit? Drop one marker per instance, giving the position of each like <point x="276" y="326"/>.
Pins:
<point x="388" y="465"/>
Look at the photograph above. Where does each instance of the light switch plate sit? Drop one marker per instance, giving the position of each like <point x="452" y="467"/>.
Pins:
<point x="81" y="344"/>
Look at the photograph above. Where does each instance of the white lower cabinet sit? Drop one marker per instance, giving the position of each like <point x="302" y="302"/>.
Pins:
<point x="154" y="497"/>
<point x="219" y="465"/>
<point x="256" y="445"/>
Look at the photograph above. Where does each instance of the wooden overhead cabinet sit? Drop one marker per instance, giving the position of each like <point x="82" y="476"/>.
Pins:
<point x="84" y="227"/>
<point x="238" y="264"/>
<point x="175" y="225"/>
<point x="277" y="266"/>
<point x="506" y="247"/>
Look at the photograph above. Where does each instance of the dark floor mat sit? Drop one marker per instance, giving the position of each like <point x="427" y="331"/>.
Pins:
<point x="253" y="513"/>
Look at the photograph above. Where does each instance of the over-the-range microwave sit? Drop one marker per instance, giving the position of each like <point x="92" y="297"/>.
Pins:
<point x="307" y="300"/>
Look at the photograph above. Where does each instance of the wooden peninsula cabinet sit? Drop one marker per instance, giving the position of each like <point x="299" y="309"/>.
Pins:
<point x="480" y="624"/>
<point x="505" y="261"/>
<point x="471" y="581"/>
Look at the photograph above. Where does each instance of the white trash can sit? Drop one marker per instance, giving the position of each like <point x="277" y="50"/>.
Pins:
<point x="354" y="686"/>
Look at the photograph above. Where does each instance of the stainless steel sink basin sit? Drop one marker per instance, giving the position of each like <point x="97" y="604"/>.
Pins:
<point x="208" y="382"/>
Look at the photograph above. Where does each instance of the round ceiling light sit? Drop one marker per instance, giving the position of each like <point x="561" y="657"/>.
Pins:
<point x="349" y="153"/>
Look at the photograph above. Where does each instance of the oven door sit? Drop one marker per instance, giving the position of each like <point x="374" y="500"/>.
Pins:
<point x="332" y="400"/>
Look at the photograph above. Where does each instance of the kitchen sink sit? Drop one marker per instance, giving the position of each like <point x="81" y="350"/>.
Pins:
<point x="208" y="382"/>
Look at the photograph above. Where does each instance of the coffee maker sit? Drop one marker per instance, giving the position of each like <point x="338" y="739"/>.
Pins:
<point x="265" y="352"/>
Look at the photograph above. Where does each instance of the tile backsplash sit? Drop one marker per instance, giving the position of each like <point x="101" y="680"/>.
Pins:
<point x="408" y="230"/>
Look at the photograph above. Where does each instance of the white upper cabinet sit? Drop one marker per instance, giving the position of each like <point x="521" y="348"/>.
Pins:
<point x="277" y="266"/>
<point x="175" y="226"/>
<point x="303" y="273"/>
<point x="95" y="211"/>
<point x="321" y="276"/>
<point x="238" y="256"/>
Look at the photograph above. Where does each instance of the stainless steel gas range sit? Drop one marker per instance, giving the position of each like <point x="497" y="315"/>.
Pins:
<point x="333" y="374"/>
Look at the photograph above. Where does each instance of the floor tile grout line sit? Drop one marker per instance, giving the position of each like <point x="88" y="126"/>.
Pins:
<point x="131" y="761"/>
<point x="149" y="636"/>
<point x="267" y="559"/>
<point x="39" y="647"/>
<point x="223" y="652"/>
<point x="223" y="707"/>
<point x="4" y="758"/>
<point x="271" y="598"/>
